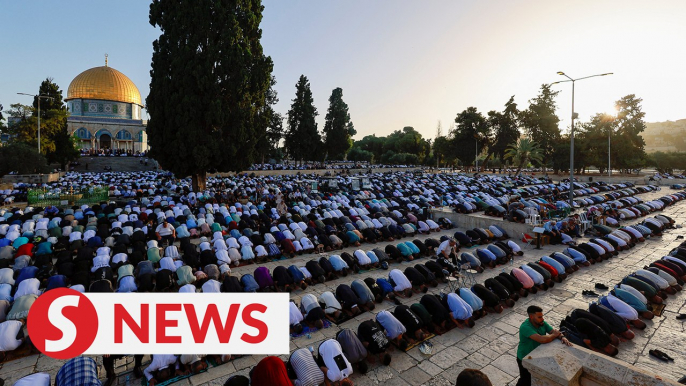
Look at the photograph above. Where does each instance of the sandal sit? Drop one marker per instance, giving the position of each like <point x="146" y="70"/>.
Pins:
<point x="664" y="355"/>
<point x="658" y="355"/>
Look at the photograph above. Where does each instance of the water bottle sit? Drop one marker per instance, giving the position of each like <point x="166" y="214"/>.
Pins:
<point x="311" y="350"/>
<point x="128" y="381"/>
<point x="511" y="261"/>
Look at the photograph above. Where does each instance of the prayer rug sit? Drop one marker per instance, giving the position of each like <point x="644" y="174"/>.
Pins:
<point x="658" y="309"/>
<point x="415" y="344"/>
<point x="309" y="330"/>
<point x="24" y="350"/>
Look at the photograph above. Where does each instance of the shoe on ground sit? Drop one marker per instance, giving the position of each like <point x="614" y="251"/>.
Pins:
<point x="664" y="354"/>
<point x="681" y="316"/>
<point x="657" y="355"/>
<point x="601" y="286"/>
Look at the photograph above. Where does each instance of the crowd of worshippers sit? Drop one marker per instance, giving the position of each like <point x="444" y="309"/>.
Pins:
<point x="519" y="209"/>
<point x="610" y="320"/>
<point x="600" y="328"/>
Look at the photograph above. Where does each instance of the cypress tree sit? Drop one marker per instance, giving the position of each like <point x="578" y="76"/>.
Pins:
<point x="303" y="141"/>
<point x="337" y="127"/>
<point x="209" y="82"/>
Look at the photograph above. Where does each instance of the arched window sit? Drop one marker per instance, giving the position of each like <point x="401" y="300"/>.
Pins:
<point x="83" y="133"/>
<point x="124" y="135"/>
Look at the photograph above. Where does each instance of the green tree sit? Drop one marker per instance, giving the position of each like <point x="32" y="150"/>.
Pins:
<point x="591" y="141"/>
<point x="209" y="84"/>
<point x="504" y="128"/>
<point x="523" y="151"/>
<point x="372" y="144"/>
<point x="271" y="125"/>
<point x="357" y="154"/>
<point x="628" y="142"/>
<point x="303" y="141"/>
<point x="337" y="127"/>
<point x="22" y="158"/>
<point x="540" y="121"/>
<point x="471" y="130"/>
<point x="55" y="140"/>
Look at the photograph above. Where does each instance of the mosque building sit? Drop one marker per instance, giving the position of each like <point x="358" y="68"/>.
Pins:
<point x="105" y="107"/>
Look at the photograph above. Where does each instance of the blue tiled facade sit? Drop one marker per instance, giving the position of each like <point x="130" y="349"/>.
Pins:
<point x="103" y="109"/>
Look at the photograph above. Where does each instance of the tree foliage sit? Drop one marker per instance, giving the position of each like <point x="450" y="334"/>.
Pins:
<point x="471" y="132"/>
<point x="303" y="141"/>
<point x="406" y="146"/>
<point x="337" y="127"/>
<point x="629" y="124"/>
<point x="540" y="121"/>
<point x="270" y="126"/>
<point x="56" y="143"/>
<point x="22" y="158"/>
<point x="667" y="162"/>
<point x="523" y="151"/>
<point x="209" y="85"/>
<point x="504" y="128"/>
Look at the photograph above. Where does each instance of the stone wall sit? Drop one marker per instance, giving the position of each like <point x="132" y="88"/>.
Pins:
<point x="476" y="220"/>
<point x="31" y="178"/>
<point x="319" y="172"/>
<point x="555" y="364"/>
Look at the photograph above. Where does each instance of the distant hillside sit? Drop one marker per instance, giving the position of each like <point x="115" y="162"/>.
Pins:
<point x="665" y="136"/>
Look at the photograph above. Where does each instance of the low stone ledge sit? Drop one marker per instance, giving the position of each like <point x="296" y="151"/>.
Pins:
<point x="556" y="364"/>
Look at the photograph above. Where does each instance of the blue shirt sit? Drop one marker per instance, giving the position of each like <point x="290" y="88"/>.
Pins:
<point x="535" y="276"/>
<point x="249" y="283"/>
<point x="629" y="298"/>
<point x="337" y="262"/>
<point x="474" y="301"/>
<point x="460" y="309"/>
<point x="385" y="285"/>
<point x="296" y="273"/>
<point x="552" y="262"/>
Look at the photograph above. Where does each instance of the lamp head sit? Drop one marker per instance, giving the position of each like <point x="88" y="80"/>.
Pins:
<point x="560" y="73"/>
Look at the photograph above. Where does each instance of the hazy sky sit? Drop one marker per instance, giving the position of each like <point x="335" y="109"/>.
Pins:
<point x="399" y="63"/>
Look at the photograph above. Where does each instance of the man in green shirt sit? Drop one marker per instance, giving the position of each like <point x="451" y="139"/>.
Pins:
<point x="532" y="333"/>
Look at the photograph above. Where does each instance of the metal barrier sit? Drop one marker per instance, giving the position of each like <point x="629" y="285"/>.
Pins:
<point x="41" y="197"/>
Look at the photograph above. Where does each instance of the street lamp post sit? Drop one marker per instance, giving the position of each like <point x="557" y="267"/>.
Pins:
<point x="39" y="98"/>
<point x="571" y="136"/>
<point x="476" y="153"/>
<point x="609" y="168"/>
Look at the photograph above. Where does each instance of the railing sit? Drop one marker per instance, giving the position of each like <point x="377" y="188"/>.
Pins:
<point x="41" y="197"/>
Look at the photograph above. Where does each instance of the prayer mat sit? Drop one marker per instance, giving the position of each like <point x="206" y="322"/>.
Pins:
<point x="344" y="318"/>
<point x="144" y="382"/>
<point x="24" y="350"/>
<point x="244" y="263"/>
<point x="309" y="330"/>
<point x="369" y="270"/>
<point x="415" y="344"/>
<point x="282" y="257"/>
<point x="658" y="309"/>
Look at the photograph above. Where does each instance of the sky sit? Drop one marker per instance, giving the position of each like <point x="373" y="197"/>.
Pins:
<point x="400" y="63"/>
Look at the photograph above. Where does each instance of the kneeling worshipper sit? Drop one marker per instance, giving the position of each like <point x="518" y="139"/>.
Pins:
<point x="460" y="310"/>
<point x="374" y="339"/>
<point x="333" y="362"/>
<point x="305" y="367"/>
<point x="353" y="349"/>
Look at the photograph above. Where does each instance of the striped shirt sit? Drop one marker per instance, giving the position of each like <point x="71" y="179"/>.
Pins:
<point x="305" y="368"/>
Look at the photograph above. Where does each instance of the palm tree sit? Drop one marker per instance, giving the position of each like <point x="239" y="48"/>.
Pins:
<point x="523" y="151"/>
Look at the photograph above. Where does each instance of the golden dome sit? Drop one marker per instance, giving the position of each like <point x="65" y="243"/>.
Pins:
<point x="104" y="83"/>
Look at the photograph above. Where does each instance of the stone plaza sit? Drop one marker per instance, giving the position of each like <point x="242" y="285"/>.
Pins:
<point x="490" y="346"/>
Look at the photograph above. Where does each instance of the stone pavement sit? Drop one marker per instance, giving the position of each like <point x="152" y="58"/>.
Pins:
<point x="490" y="345"/>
